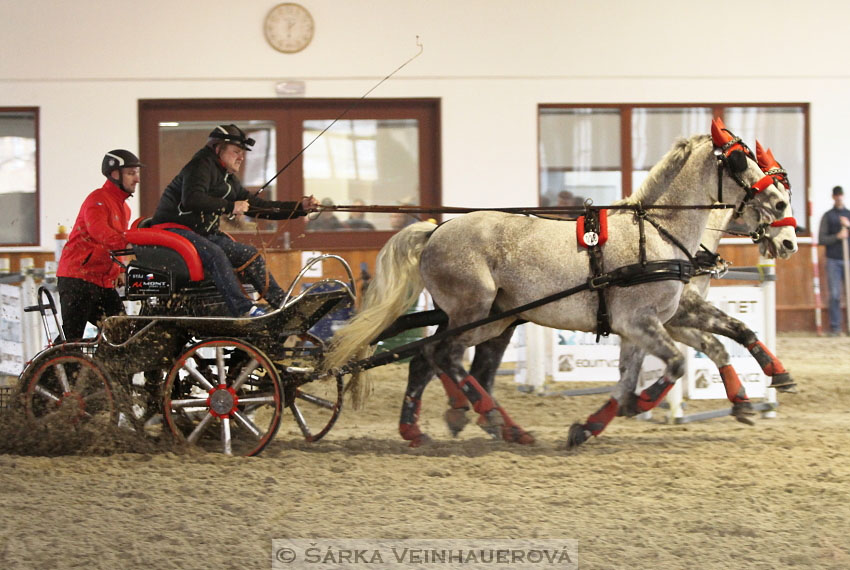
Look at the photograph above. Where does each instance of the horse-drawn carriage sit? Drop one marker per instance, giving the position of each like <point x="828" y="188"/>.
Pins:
<point x="219" y="382"/>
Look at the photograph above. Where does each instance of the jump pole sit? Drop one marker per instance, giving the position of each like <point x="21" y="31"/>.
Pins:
<point x="769" y="288"/>
<point x="816" y="288"/>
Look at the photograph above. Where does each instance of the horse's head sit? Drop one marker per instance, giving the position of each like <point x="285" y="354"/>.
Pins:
<point x="763" y="201"/>
<point x="779" y="238"/>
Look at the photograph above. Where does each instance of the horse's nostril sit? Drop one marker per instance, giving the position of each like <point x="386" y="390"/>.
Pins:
<point x="780" y="207"/>
<point x="788" y="244"/>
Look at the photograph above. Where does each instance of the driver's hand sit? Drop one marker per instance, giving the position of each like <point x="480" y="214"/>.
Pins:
<point x="844" y="221"/>
<point x="309" y="203"/>
<point x="240" y="207"/>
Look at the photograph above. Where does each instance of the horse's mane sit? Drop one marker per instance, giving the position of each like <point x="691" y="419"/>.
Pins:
<point x="665" y="170"/>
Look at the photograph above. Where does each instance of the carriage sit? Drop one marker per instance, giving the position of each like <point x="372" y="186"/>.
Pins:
<point x="222" y="383"/>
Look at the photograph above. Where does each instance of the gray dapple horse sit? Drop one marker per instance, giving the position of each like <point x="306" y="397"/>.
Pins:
<point x="487" y="261"/>
<point x="697" y="320"/>
<point x="777" y="239"/>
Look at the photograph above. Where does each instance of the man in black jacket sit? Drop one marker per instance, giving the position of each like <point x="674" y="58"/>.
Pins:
<point x="206" y="189"/>
<point x="833" y="231"/>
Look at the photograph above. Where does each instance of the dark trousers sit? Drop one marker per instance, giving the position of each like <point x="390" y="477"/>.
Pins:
<point x="219" y="255"/>
<point x="835" y="280"/>
<point x="81" y="302"/>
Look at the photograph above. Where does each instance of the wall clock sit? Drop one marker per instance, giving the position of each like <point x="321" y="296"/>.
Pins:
<point x="289" y="27"/>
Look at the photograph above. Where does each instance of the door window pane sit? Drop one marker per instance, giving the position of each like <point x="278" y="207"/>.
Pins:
<point x="783" y="130"/>
<point x="579" y="156"/>
<point x="655" y="129"/>
<point x="18" y="178"/>
<point x="179" y="141"/>
<point x="362" y="161"/>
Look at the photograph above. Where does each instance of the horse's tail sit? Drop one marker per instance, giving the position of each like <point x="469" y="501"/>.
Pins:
<point x="393" y="290"/>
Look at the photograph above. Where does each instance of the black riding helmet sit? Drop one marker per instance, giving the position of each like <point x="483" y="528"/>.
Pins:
<point x="116" y="160"/>
<point x="230" y="134"/>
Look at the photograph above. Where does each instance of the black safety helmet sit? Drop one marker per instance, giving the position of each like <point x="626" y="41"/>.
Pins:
<point x="116" y="160"/>
<point x="230" y="134"/>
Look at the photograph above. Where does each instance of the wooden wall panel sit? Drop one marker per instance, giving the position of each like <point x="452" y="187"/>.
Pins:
<point x="795" y="298"/>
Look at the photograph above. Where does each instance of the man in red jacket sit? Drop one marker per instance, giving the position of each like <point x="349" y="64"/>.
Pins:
<point x="86" y="273"/>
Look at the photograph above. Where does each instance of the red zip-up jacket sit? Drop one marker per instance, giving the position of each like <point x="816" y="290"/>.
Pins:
<point x="99" y="227"/>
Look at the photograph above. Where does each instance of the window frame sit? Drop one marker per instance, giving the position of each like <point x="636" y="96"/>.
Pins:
<point x="37" y="195"/>
<point x="290" y="183"/>
<point x="718" y="111"/>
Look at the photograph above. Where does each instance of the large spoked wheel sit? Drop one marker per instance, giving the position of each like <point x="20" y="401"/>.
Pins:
<point x="315" y="408"/>
<point x="223" y="395"/>
<point x="67" y="387"/>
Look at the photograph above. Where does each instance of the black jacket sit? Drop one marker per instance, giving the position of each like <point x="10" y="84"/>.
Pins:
<point x="204" y="191"/>
<point x="830" y="225"/>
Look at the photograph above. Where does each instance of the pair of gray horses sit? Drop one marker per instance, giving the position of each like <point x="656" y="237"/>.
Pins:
<point x="485" y="263"/>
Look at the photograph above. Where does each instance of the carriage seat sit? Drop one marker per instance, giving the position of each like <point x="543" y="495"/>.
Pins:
<point x="161" y="250"/>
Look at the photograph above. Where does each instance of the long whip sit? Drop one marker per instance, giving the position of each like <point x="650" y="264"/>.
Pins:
<point x="341" y="115"/>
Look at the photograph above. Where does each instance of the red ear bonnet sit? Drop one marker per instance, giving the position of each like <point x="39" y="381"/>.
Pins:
<point x="723" y="139"/>
<point x="770" y="166"/>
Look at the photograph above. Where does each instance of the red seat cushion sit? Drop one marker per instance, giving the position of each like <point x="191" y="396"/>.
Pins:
<point x="163" y="238"/>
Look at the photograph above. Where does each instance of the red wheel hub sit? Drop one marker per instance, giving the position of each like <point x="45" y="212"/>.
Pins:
<point x="222" y="401"/>
<point x="72" y="401"/>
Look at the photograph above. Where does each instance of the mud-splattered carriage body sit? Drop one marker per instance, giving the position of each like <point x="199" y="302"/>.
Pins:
<point x="219" y="382"/>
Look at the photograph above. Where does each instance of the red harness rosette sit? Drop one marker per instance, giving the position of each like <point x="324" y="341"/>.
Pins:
<point x="591" y="238"/>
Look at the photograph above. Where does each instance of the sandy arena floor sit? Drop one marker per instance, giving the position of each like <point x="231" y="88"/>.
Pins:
<point x="715" y="494"/>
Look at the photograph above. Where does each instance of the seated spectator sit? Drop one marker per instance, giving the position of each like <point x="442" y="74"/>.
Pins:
<point x="357" y="220"/>
<point x="326" y="221"/>
<point x="400" y="220"/>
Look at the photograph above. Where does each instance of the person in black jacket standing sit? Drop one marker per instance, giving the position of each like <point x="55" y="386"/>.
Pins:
<point x="833" y="231"/>
<point x="206" y="189"/>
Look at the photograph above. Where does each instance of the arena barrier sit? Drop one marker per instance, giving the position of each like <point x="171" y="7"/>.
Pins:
<point x="539" y="354"/>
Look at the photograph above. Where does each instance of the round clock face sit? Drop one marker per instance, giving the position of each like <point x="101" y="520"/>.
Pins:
<point x="289" y="27"/>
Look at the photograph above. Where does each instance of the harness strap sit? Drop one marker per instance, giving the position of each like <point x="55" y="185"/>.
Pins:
<point x="672" y="238"/>
<point x="591" y="231"/>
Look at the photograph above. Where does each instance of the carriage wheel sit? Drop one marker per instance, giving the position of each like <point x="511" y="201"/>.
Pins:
<point x="68" y="387"/>
<point x="316" y="407"/>
<point x="223" y="395"/>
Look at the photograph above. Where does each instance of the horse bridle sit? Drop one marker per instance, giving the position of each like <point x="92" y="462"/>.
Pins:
<point x="725" y="161"/>
<point x="773" y="175"/>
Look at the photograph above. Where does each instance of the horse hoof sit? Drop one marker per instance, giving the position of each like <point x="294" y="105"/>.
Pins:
<point x="492" y="423"/>
<point x="629" y="409"/>
<point x="419" y="440"/>
<point x="456" y="420"/>
<point x="742" y="411"/>
<point x="783" y="383"/>
<point x="515" y="434"/>
<point x="577" y="435"/>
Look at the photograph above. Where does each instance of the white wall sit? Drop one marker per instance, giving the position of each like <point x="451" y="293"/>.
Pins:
<point x="86" y="63"/>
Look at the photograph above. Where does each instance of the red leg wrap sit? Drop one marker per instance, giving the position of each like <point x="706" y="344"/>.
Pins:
<point x="408" y="427"/>
<point x="653" y="395"/>
<point x="511" y="431"/>
<point x="485" y="402"/>
<point x="769" y="363"/>
<point x="597" y="421"/>
<point x="734" y="389"/>
<point x="409" y="432"/>
<point x="453" y="391"/>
